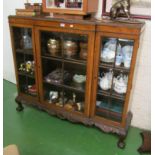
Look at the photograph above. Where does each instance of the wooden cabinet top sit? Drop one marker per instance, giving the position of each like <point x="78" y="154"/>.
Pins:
<point x="89" y="25"/>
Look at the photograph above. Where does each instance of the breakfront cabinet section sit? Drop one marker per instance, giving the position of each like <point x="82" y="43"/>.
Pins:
<point x="25" y="60"/>
<point x="115" y="54"/>
<point x="78" y="70"/>
<point x="65" y="68"/>
<point x="113" y="70"/>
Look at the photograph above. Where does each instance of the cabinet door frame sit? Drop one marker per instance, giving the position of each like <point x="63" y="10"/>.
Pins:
<point x="89" y="64"/>
<point x="99" y="35"/>
<point x="11" y="25"/>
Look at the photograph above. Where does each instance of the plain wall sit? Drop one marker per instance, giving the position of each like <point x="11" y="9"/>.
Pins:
<point x="140" y="99"/>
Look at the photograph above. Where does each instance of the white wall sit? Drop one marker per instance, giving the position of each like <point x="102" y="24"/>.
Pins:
<point x="140" y="99"/>
<point x="8" y="66"/>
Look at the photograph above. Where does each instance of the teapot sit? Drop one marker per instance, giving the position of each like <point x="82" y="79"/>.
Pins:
<point x="106" y="80"/>
<point x="120" y="83"/>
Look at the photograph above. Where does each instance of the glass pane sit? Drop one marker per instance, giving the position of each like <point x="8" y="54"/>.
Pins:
<point x="105" y="77"/>
<point x="109" y="108"/>
<point x="102" y="106"/>
<point x="124" y="55"/>
<point x="53" y="94"/>
<point x="64" y="4"/>
<point x="22" y="38"/>
<point x="77" y="76"/>
<point x="52" y="71"/>
<point x="116" y="110"/>
<point x="51" y="43"/>
<point x="120" y="83"/>
<point x="108" y="48"/>
<point x="75" y="46"/>
<point x="27" y="85"/>
<point x="73" y="100"/>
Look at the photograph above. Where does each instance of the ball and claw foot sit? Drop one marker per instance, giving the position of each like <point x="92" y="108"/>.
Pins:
<point x="121" y="144"/>
<point x="20" y="107"/>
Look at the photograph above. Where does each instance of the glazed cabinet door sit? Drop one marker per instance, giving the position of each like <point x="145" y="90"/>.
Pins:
<point x="65" y="60"/>
<point x="25" y="60"/>
<point x="113" y="71"/>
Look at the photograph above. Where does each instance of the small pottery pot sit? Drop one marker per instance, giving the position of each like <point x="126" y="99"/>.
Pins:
<point x="83" y="54"/>
<point x="53" y="46"/>
<point x="70" y="48"/>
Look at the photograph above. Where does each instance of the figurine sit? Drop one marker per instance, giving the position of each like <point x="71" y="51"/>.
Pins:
<point x="22" y="67"/>
<point x="53" y="96"/>
<point x="121" y="6"/>
<point x="29" y="67"/>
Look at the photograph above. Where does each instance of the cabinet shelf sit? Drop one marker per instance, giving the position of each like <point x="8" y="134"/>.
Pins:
<point x="65" y="86"/>
<point x="115" y="68"/>
<point x="67" y="60"/>
<point x="106" y="110"/>
<point x="25" y="51"/>
<point x="80" y="62"/>
<point x="25" y="74"/>
<point x="112" y="95"/>
<point x="51" y="56"/>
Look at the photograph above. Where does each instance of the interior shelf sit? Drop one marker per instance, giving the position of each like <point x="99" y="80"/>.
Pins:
<point x="104" y="110"/>
<point x="115" y="68"/>
<point x="65" y="86"/>
<point x="25" y="74"/>
<point x="113" y="95"/>
<point x="25" y="51"/>
<point x="70" y="60"/>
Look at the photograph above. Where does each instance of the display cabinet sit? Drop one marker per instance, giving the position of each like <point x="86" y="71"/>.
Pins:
<point x="76" y="7"/>
<point x="79" y="70"/>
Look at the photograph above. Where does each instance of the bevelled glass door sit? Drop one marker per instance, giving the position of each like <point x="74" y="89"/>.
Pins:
<point x="25" y="60"/>
<point x="113" y="73"/>
<point x="64" y="69"/>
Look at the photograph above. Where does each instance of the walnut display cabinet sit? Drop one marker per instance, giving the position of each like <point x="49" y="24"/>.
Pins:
<point x="79" y="70"/>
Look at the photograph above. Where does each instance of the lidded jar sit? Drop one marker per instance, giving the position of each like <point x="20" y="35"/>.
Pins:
<point x="53" y="46"/>
<point x="70" y="48"/>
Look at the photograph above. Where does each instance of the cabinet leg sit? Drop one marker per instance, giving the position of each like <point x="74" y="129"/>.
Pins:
<point x="121" y="144"/>
<point x="19" y="107"/>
